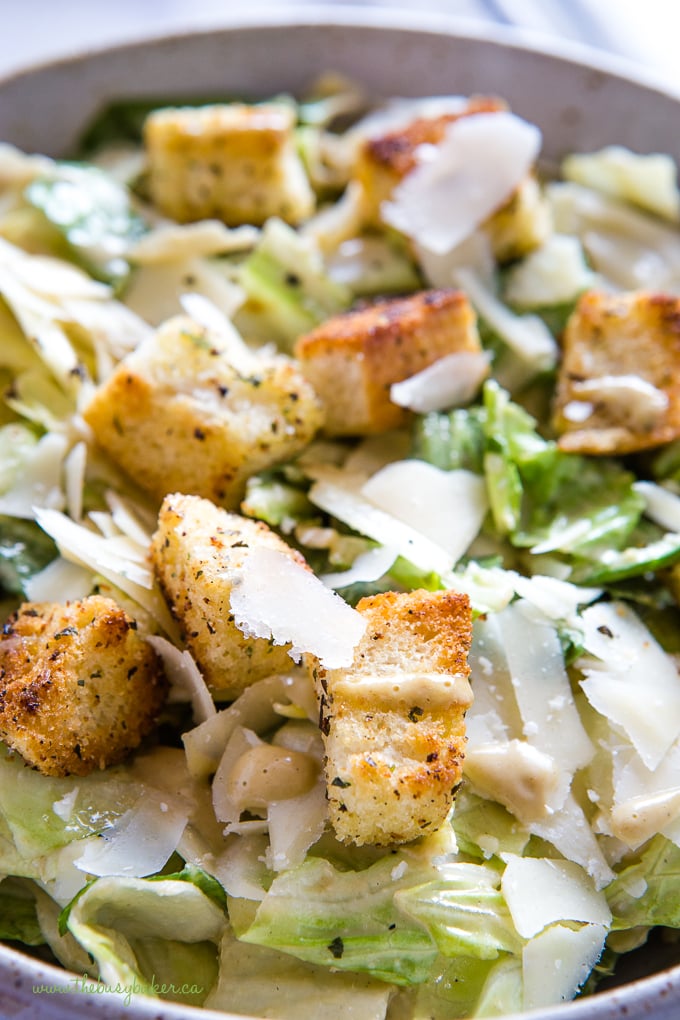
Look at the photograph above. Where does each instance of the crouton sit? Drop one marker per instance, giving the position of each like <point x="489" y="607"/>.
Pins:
<point x="233" y="162"/>
<point x="393" y="723"/>
<point x="383" y="162"/>
<point x="198" y="552"/>
<point x="178" y="414"/>
<point x="352" y="359"/>
<point x="79" y="687"/>
<point x="619" y="382"/>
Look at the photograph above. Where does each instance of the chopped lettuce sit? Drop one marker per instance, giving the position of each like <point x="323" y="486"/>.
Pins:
<point x="287" y="285"/>
<point x="25" y="550"/>
<point x="159" y="936"/>
<point x="646" y="892"/>
<point x="18" y="918"/>
<point x="93" y="213"/>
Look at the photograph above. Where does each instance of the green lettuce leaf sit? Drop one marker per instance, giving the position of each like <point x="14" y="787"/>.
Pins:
<point x="347" y="920"/>
<point x="25" y="550"/>
<point x="93" y="213"/>
<point x="18" y="918"/>
<point x="657" y="872"/>
<point x="159" y="936"/>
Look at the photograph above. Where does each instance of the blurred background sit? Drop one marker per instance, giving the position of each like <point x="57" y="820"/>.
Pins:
<point x="643" y="32"/>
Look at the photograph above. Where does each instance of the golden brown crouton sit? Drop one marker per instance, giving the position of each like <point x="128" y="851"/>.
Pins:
<point x="352" y="359"/>
<point x="79" y="688"/>
<point x="394" y="722"/>
<point x="177" y="414"/>
<point x="383" y="162"/>
<point x="232" y="162"/>
<point x="198" y="552"/>
<point x="619" y="382"/>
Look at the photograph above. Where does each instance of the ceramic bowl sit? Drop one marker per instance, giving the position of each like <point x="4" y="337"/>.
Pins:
<point x="579" y="101"/>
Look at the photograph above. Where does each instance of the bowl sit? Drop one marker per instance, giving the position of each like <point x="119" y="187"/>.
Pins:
<point x="579" y="100"/>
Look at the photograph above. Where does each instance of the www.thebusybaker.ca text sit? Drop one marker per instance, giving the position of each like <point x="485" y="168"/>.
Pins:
<point x="87" y="986"/>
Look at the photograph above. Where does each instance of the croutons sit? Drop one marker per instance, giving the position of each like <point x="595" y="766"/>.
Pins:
<point x="198" y="552"/>
<point x="352" y="359"/>
<point x="383" y="162"/>
<point x="619" y="382"/>
<point x="393" y="723"/>
<point x="79" y="687"/>
<point x="234" y="162"/>
<point x="178" y="414"/>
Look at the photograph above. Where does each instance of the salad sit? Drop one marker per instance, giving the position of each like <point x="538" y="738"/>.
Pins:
<point x="339" y="557"/>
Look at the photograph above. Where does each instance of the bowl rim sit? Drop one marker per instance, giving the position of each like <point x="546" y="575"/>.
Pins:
<point x="647" y="991"/>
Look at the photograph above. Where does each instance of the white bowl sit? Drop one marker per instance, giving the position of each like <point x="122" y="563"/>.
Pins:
<point x="579" y="103"/>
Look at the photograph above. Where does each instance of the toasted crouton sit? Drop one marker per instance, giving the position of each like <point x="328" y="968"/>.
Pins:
<point x="178" y="414"/>
<point x="383" y="162"/>
<point x="79" y="687"/>
<point x="393" y="723"/>
<point x="233" y="162"/>
<point x="619" y="382"/>
<point x="198" y="552"/>
<point x="352" y="359"/>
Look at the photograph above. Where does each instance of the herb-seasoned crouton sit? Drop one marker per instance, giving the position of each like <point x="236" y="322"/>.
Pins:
<point x="352" y="359"/>
<point x="619" y="383"/>
<point x="79" y="688"/>
<point x="394" y="722"/>
<point x="198" y="552"/>
<point x="384" y="161"/>
<point x="178" y="414"/>
<point x="234" y="162"/>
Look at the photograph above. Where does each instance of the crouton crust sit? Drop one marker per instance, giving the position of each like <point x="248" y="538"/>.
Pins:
<point x="235" y="162"/>
<point x="178" y="415"/>
<point x="633" y="338"/>
<point x="79" y="688"/>
<point x="352" y="359"/>
<point x="393" y="723"/>
<point x="197" y="553"/>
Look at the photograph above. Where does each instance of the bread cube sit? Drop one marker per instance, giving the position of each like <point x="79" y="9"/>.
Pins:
<point x="619" y="382"/>
<point x="393" y="723"/>
<point x="179" y="415"/>
<point x="198" y="552"/>
<point x="352" y="359"/>
<point x="79" y="687"/>
<point x="232" y="162"/>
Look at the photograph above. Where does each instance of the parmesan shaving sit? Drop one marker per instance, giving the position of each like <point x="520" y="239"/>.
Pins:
<point x="540" y="892"/>
<point x="278" y="599"/>
<point x="460" y="182"/>
<point x="185" y="677"/>
<point x="557" y="961"/>
<point x="452" y="381"/>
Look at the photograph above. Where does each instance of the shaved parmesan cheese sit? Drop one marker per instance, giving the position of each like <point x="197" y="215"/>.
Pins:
<point x="569" y="832"/>
<point x="38" y="484"/>
<point x="447" y="507"/>
<point x="451" y="381"/>
<point x="540" y="892"/>
<point x="536" y="661"/>
<point x="172" y="242"/>
<point x="155" y="290"/>
<point x="460" y="182"/>
<point x="526" y="335"/>
<point x="60" y="581"/>
<point x="334" y="494"/>
<point x="140" y="842"/>
<point x="634" y="683"/>
<point x="627" y="397"/>
<point x="554" y="274"/>
<point x="184" y="675"/>
<point x="557" y="962"/>
<point x="368" y="566"/>
<point x="517" y="775"/>
<point x="226" y="808"/>
<point x="278" y="599"/>
<point x="662" y="506"/>
<point x="240" y="867"/>
<point x="558" y="600"/>
<point x="295" y="824"/>
<point x="74" y="472"/>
